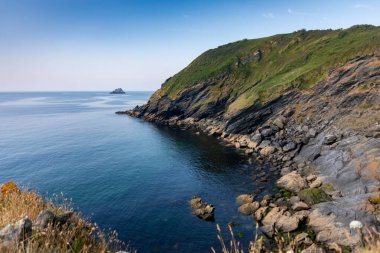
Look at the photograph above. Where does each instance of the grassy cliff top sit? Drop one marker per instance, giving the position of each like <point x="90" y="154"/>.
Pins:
<point x="261" y="69"/>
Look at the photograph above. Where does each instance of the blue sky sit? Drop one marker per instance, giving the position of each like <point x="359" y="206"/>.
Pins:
<point x="104" y="44"/>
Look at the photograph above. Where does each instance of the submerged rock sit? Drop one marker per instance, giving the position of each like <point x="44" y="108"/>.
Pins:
<point x="202" y="210"/>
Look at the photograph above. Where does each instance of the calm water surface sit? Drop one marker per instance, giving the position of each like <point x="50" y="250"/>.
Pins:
<point x="121" y="172"/>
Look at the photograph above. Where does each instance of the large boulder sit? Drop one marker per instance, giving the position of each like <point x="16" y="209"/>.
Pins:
<point x="44" y="218"/>
<point x="245" y="198"/>
<point x="256" y="138"/>
<point x="292" y="182"/>
<point x="328" y="230"/>
<point x="14" y="233"/>
<point x="266" y="132"/>
<point x="249" y="208"/>
<point x="283" y="220"/>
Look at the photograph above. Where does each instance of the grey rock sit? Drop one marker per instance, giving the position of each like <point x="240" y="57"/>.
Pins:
<point x="44" y="218"/>
<point x="329" y="139"/>
<point x="265" y="143"/>
<point x="289" y="146"/>
<point x="312" y="132"/>
<point x="17" y="232"/>
<point x="63" y="218"/>
<point x="256" y="138"/>
<point x="267" y="132"/>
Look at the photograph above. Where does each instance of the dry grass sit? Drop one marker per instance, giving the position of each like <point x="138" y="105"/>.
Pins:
<point x="370" y="243"/>
<point x="78" y="235"/>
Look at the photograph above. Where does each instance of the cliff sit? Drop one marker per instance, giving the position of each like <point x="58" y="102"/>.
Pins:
<point x="309" y="103"/>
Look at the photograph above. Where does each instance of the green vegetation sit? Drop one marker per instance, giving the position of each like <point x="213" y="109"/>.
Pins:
<point x="289" y="61"/>
<point x="327" y="188"/>
<point x="282" y="193"/>
<point x="312" y="196"/>
<point x="374" y="199"/>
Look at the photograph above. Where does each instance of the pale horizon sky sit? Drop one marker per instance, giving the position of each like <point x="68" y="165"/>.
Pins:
<point x="83" y="45"/>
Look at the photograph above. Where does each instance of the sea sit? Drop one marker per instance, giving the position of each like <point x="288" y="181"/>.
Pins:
<point x="122" y="173"/>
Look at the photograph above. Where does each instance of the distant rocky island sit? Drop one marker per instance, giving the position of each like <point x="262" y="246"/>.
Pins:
<point x="118" y="91"/>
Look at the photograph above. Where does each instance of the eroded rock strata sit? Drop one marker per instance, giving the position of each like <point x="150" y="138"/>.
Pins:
<point x="324" y="142"/>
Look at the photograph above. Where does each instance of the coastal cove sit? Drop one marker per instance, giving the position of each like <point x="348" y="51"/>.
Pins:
<point x="123" y="173"/>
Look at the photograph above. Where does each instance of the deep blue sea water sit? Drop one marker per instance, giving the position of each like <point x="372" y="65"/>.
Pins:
<point x="121" y="172"/>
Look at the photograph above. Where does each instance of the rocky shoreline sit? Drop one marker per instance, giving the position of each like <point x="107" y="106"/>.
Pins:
<point x="323" y="143"/>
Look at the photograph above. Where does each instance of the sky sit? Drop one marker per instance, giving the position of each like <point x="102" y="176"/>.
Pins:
<point x="84" y="45"/>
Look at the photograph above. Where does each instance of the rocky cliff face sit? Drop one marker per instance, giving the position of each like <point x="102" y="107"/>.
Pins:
<point x="330" y="131"/>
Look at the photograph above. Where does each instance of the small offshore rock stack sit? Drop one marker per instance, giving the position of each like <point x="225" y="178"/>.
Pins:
<point x="201" y="209"/>
<point x="118" y="91"/>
